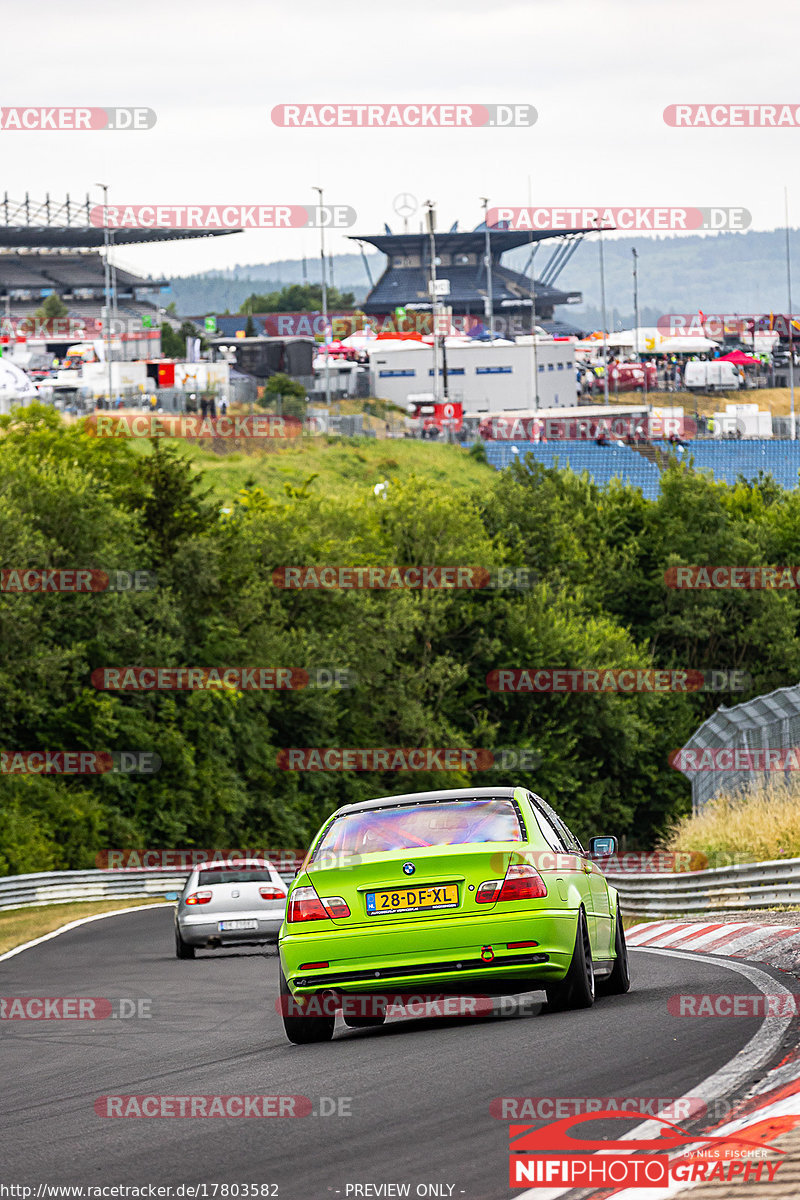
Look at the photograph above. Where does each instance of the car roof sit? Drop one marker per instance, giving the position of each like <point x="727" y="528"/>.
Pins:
<point x="498" y="793"/>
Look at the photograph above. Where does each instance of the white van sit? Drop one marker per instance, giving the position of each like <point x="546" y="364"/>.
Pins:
<point x="714" y="376"/>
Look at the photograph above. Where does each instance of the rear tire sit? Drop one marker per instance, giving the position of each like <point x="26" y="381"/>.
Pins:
<point x="182" y="948"/>
<point x="576" y="989"/>
<point x="619" y="981"/>
<point x="300" y="1029"/>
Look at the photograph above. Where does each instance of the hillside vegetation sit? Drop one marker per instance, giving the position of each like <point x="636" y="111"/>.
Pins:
<point x="214" y="530"/>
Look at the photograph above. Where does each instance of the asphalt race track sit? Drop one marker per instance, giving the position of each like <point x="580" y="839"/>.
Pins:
<point x="418" y="1090"/>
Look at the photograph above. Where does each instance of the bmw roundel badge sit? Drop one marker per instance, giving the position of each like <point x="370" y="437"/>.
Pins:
<point x="408" y="868"/>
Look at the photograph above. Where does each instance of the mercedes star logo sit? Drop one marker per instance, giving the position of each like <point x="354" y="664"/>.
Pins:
<point x="405" y="205"/>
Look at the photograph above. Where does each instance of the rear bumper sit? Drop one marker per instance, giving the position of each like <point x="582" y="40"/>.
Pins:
<point x="204" y="931"/>
<point x="442" y="955"/>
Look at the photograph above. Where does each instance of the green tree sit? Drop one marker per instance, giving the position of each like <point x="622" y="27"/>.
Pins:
<point x="53" y="308"/>
<point x="290" y="392"/>
<point x="173" y="342"/>
<point x="297" y="297"/>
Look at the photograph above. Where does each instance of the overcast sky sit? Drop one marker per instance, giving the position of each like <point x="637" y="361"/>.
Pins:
<point x="599" y="73"/>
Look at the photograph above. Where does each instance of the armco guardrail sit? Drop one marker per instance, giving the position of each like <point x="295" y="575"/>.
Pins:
<point x="722" y="889"/>
<point x="746" y="886"/>
<point x="65" y="887"/>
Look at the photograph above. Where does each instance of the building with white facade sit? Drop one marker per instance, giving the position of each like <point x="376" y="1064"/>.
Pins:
<point x="484" y="377"/>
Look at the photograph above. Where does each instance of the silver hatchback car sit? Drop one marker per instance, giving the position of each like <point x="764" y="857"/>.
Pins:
<point x="236" y="903"/>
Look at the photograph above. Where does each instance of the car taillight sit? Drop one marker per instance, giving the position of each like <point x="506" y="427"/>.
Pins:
<point x="488" y="891"/>
<point x="522" y="882"/>
<point x="270" y="893"/>
<point x="305" y="905"/>
<point x="335" y="906"/>
<point x="198" y="898"/>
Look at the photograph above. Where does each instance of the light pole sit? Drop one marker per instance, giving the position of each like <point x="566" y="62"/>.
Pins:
<point x="324" y="302"/>
<point x="107" y="282"/>
<point x="636" y="312"/>
<point x="488" y="262"/>
<point x="434" y="297"/>
<point x="534" y="248"/>
<point x="603" y="306"/>
<point x="792" y="434"/>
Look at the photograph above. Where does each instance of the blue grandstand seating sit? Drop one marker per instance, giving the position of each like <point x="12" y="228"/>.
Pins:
<point x="726" y="459"/>
<point x="602" y="462"/>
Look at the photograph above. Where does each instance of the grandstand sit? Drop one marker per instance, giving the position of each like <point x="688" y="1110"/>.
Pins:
<point x="460" y="260"/>
<point x="730" y="459"/>
<point x="53" y="248"/>
<point x="727" y="460"/>
<point x="603" y="463"/>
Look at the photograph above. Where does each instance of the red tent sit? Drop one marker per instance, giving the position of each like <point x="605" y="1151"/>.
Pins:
<point x="739" y="359"/>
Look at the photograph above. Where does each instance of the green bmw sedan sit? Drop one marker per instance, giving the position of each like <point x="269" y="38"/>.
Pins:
<point x="471" y="890"/>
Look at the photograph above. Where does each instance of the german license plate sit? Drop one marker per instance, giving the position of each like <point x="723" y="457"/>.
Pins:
<point x="420" y="899"/>
<point x="224" y="926"/>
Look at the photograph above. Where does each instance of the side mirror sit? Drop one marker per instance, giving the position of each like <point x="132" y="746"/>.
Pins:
<point x="602" y="847"/>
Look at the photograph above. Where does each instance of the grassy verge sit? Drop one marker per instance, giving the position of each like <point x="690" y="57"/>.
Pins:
<point x="18" y="925"/>
<point x="343" y="467"/>
<point x="762" y="825"/>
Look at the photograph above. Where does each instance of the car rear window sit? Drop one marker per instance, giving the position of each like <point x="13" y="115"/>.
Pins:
<point x="409" y="827"/>
<point x="206" y="878"/>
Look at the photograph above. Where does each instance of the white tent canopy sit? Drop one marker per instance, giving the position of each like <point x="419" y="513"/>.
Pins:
<point x="15" y="385"/>
<point x="649" y="339"/>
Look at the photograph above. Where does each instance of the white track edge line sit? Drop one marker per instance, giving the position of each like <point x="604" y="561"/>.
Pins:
<point x="115" y="912"/>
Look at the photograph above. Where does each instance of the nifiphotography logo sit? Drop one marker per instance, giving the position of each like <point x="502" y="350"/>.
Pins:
<point x="551" y="1156"/>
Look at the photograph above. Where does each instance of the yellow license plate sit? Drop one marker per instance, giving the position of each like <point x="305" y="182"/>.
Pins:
<point x="420" y="899"/>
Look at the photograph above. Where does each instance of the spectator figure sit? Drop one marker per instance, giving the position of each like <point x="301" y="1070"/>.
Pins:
<point x="224" y="408"/>
<point x="203" y="407"/>
<point x="212" y="407"/>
